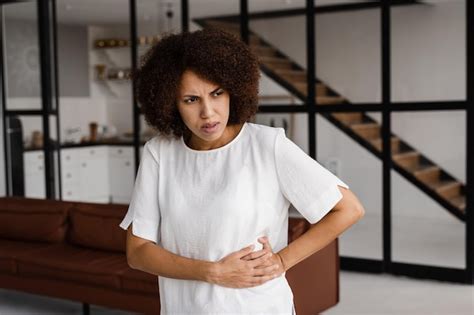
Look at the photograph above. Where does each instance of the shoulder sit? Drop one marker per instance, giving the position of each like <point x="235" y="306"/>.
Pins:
<point x="265" y="137"/>
<point x="156" y="144"/>
<point x="264" y="133"/>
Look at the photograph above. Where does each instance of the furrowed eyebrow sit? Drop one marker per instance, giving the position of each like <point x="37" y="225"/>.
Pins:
<point x="218" y="88"/>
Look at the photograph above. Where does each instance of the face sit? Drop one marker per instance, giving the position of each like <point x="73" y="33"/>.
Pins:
<point x="204" y="109"/>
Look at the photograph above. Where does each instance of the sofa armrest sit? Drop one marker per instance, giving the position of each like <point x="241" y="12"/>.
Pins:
<point x="315" y="280"/>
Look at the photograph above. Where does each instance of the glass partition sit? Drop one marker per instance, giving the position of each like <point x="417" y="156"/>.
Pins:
<point x="21" y="56"/>
<point x="349" y="144"/>
<point x="428" y="51"/>
<point x="348" y="56"/>
<point x="280" y="44"/>
<point x="428" y="189"/>
<point x="25" y="136"/>
<point x="95" y="96"/>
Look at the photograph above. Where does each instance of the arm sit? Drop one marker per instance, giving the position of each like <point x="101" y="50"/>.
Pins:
<point x="146" y="256"/>
<point x="230" y="271"/>
<point x="344" y="214"/>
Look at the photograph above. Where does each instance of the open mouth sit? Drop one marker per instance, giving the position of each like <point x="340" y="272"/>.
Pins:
<point x="210" y="127"/>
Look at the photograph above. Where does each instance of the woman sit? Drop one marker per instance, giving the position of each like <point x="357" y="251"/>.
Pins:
<point x="211" y="186"/>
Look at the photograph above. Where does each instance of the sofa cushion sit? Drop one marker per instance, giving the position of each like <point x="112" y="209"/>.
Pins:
<point x="97" y="226"/>
<point x="10" y="250"/>
<point x="28" y="219"/>
<point x="136" y="280"/>
<point x="70" y="263"/>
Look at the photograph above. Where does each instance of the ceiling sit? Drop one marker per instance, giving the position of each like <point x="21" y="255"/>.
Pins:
<point x="117" y="11"/>
<point x="100" y="11"/>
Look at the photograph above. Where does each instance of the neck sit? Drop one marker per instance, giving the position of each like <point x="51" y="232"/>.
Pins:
<point x="229" y="134"/>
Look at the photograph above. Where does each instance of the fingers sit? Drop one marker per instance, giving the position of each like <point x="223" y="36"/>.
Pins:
<point x="255" y="255"/>
<point x="244" y="251"/>
<point x="266" y="242"/>
<point x="261" y="260"/>
<point x="247" y="254"/>
<point x="266" y="271"/>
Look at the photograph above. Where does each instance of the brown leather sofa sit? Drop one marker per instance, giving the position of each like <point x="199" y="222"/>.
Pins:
<point x="76" y="251"/>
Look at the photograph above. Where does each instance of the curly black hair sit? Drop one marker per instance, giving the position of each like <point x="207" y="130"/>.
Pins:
<point x="213" y="54"/>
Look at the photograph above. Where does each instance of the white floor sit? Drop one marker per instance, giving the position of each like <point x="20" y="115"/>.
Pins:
<point x="387" y="294"/>
<point x="360" y="294"/>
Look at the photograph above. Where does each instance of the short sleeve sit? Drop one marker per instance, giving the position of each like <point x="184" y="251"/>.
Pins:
<point x="143" y="210"/>
<point x="308" y="186"/>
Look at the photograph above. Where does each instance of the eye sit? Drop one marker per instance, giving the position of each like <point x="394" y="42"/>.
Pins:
<point x="189" y="99"/>
<point x="219" y="92"/>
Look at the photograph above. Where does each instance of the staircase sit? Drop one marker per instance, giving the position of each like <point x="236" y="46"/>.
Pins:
<point x="407" y="161"/>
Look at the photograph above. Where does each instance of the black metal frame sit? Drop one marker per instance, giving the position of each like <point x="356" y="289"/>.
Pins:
<point x="469" y="276"/>
<point x="386" y="107"/>
<point x="48" y="84"/>
<point x="386" y="147"/>
<point x="136" y="109"/>
<point x="4" y="117"/>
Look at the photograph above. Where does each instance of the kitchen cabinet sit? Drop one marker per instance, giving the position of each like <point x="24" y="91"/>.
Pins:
<point x="94" y="174"/>
<point x="71" y="175"/>
<point x="34" y="174"/>
<point x="99" y="174"/>
<point x="121" y="173"/>
<point x="85" y="174"/>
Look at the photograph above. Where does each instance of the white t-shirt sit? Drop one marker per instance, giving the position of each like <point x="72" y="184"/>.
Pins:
<point x="207" y="204"/>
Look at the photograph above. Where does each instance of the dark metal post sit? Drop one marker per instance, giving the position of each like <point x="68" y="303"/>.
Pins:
<point x="46" y="91"/>
<point x="469" y="144"/>
<point x="4" y="108"/>
<point x="386" y="143"/>
<point x="57" y="146"/>
<point x="86" y="310"/>
<point x="136" y="109"/>
<point x="184" y="16"/>
<point x="244" y="20"/>
<point x="310" y="77"/>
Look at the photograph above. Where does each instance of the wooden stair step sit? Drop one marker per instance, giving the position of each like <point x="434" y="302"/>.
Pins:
<point x="446" y="188"/>
<point x="321" y="89"/>
<point x="223" y="24"/>
<point x="262" y="50"/>
<point x="282" y="97"/>
<point x="230" y="27"/>
<point x="418" y="168"/>
<point x="428" y="174"/>
<point x="348" y="118"/>
<point x="369" y="131"/>
<point x="329" y="100"/>
<point x="254" y="39"/>
<point x="292" y="75"/>
<point x="409" y="160"/>
<point x="459" y="202"/>
<point x="395" y="144"/>
<point x="275" y="63"/>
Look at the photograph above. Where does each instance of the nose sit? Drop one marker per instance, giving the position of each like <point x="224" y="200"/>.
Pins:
<point x="206" y="108"/>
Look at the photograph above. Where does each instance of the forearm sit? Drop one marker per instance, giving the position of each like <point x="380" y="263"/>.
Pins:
<point x="318" y="236"/>
<point x="159" y="261"/>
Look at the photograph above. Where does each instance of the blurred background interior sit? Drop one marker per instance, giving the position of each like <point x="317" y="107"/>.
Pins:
<point x="385" y="106"/>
